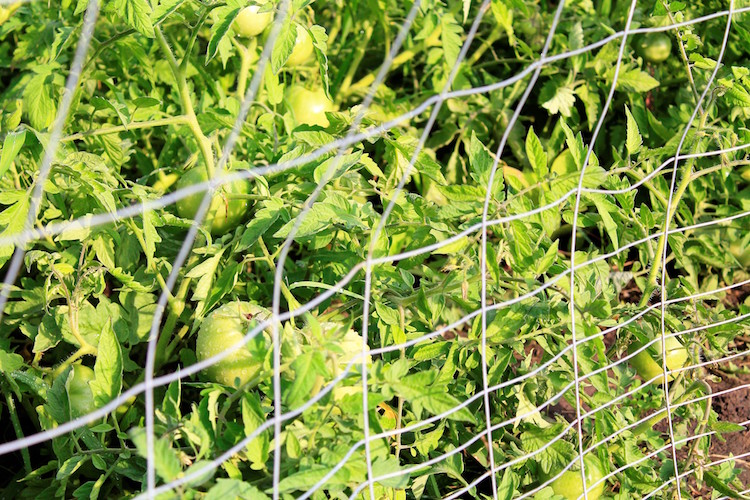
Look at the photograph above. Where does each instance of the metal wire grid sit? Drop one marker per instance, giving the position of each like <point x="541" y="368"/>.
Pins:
<point x="31" y="234"/>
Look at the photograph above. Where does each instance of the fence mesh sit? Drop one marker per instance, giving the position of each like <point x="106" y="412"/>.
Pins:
<point x="513" y="389"/>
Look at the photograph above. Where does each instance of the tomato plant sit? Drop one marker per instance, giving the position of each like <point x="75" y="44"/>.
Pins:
<point x="228" y="204"/>
<point x="441" y="223"/>
<point x="308" y="107"/>
<point x="250" y="22"/>
<point x="224" y="328"/>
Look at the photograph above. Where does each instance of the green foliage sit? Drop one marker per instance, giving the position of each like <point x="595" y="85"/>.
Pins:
<point x="162" y="87"/>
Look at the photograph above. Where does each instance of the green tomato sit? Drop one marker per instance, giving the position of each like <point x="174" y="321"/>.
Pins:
<point x="78" y="386"/>
<point x="570" y="484"/>
<point x="249" y="22"/>
<point x="308" y="107"/>
<point x="224" y="212"/>
<point x="224" y="328"/>
<point x="655" y="47"/>
<point x="303" y="47"/>
<point x="649" y="368"/>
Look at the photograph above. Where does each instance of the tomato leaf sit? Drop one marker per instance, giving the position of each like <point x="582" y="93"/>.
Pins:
<point x="108" y="367"/>
<point x="136" y="14"/>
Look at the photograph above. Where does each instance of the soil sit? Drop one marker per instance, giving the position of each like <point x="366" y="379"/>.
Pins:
<point x="736" y="296"/>
<point x="733" y="407"/>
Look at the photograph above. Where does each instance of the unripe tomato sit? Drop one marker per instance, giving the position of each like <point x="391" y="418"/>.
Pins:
<point x="78" y="386"/>
<point x="570" y="484"/>
<point x="308" y="107"/>
<point x="250" y="23"/>
<point x="224" y="328"/>
<point x="564" y="163"/>
<point x="649" y="368"/>
<point x="303" y="47"/>
<point x="655" y="47"/>
<point x="225" y="212"/>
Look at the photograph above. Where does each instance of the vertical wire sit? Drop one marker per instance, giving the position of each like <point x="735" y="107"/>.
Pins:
<point x="576" y="209"/>
<point x="668" y="216"/>
<point x="87" y="32"/>
<point x="483" y="251"/>
<point x="187" y="245"/>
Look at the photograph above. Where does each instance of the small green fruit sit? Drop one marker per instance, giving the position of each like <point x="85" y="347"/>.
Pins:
<point x="224" y="328"/>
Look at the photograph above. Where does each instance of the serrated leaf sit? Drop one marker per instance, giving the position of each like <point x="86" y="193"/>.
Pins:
<point x="234" y="488"/>
<point x="39" y="98"/>
<point x="252" y="418"/>
<point x="557" y="98"/>
<point x="450" y="37"/>
<point x="604" y="208"/>
<point x="535" y="153"/>
<point x="219" y="31"/>
<point x="164" y="9"/>
<point x="738" y="95"/>
<point x="136" y="13"/>
<point x="634" y="139"/>
<point x="205" y="271"/>
<point x="284" y="45"/>
<point x="305" y="479"/>
<point x="320" y="44"/>
<point x="422" y="393"/>
<point x="10" y="362"/>
<point x="108" y="367"/>
<point x="636" y="80"/>
<point x="164" y="458"/>
<point x="12" y="145"/>
<point x="70" y="466"/>
<point x="274" y="89"/>
<point x="552" y="456"/>
<point x="306" y="369"/>
<point x="262" y="221"/>
<point x="504" y="17"/>
<point x="13" y="218"/>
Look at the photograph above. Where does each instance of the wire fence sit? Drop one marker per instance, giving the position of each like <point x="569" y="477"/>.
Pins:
<point x="360" y="364"/>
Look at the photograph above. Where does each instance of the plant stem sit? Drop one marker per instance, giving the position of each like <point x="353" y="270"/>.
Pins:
<point x="176" y="306"/>
<point x="187" y="105"/>
<point x="104" y="45"/>
<point x="17" y="426"/>
<point x="403" y="57"/>
<point x="81" y="352"/>
<point x="290" y="299"/>
<point x="684" y="54"/>
<point x="681" y="188"/>
<point x="361" y="50"/>
<point x="494" y="36"/>
<point x="173" y="120"/>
